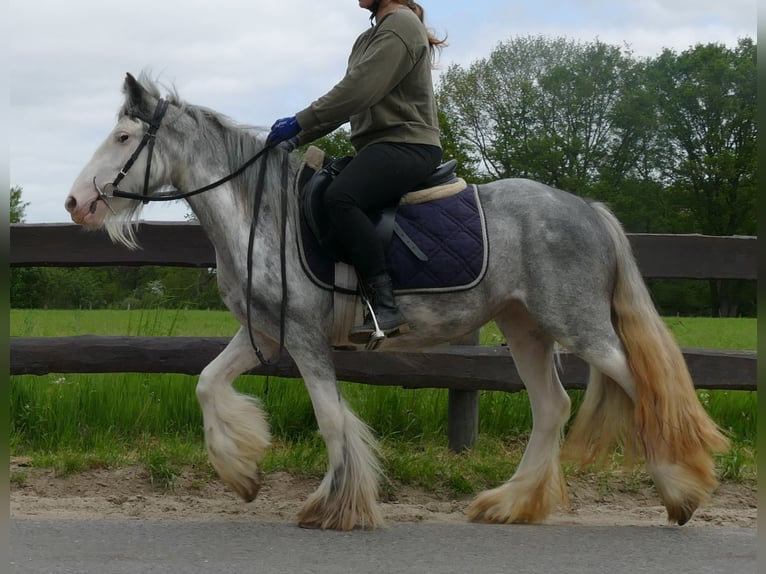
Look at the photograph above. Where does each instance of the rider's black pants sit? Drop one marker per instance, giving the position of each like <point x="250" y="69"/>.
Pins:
<point x="377" y="177"/>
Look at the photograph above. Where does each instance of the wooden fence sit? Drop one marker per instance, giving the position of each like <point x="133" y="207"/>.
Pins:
<point x="463" y="369"/>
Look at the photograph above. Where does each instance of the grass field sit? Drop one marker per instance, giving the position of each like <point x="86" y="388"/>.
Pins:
<point x="72" y="421"/>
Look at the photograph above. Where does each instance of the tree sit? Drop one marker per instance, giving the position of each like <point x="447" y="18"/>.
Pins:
<point x="454" y="147"/>
<point x="335" y="145"/>
<point x="539" y="108"/>
<point x="707" y="104"/>
<point x="24" y="282"/>
<point x="18" y="207"/>
<point x="635" y="179"/>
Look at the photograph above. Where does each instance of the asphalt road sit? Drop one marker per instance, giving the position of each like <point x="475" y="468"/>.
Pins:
<point x="117" y="547"/>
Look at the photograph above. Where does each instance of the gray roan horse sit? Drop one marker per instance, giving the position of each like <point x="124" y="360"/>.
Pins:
<point x="560" y="271"/>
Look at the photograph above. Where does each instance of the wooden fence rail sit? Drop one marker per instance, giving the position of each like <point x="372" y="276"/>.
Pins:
<point x="185" y="245"/>
<point x="463" y="369"/>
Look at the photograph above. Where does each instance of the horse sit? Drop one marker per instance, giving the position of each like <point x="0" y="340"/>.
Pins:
<point x="560" y="274"/>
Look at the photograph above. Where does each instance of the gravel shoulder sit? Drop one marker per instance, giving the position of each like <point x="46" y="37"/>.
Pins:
<point x="129" y="493"/>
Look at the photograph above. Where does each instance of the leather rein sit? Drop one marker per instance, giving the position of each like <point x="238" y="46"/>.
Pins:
<point x="148" y="142"/>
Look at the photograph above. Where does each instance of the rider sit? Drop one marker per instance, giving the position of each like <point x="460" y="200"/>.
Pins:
<point x="387" y="96"/>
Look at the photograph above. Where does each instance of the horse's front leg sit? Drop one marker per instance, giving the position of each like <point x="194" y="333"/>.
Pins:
<point x="348" y="494"/>
<point x="236" y="430"/>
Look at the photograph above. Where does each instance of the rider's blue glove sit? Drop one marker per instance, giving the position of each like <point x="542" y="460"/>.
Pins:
<point x="282" y="130"/>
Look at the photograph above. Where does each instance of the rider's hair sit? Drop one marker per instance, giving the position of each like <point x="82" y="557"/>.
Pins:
<point x="434" y="42"/>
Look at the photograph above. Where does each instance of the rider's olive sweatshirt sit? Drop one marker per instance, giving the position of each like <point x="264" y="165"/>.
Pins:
<point x="387" y="93"/>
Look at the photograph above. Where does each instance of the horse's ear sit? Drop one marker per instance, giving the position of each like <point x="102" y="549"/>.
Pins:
<point x="137" y="99"/>
<point x="130" y="79"/>
<point x="133" y="91"/>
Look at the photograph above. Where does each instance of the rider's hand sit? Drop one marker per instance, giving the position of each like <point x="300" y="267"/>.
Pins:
<point x="282" y="130"/>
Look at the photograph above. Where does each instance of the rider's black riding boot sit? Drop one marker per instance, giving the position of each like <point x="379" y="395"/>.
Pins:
<point x="379" y="290"/>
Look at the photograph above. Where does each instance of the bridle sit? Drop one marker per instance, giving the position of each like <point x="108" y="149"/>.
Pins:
<point x="148" y="142"/>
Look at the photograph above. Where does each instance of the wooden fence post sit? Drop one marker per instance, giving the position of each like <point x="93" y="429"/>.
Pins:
<point x="463" y="409"/>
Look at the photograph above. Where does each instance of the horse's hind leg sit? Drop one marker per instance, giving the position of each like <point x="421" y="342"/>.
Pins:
<point x="537" y="486"/>
<point x="629" y="342"/>
<point x="650" y="414"/>
<point x="348" y="494"/>
<point x="236" y="430"/>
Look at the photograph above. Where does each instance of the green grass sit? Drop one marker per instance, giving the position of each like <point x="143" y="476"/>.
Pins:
<point x="140" y="322"/>
<point x="701" y="332"/>
<point x="72" y="422"/>
<point x="706" y="332"/>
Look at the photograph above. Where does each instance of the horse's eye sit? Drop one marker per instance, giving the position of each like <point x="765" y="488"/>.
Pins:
<point x="122" y="138"/>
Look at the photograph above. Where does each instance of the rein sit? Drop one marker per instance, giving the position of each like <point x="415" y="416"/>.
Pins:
<point x="148" y="142"/>
<point x="282" y="262"/>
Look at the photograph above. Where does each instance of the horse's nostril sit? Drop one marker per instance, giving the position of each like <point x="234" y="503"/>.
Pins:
<point x="71" y="204"/>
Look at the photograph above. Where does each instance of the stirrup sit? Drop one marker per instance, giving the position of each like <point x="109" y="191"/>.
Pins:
<point x="377" y="336"/>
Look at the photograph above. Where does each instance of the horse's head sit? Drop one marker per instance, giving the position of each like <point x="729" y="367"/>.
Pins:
<point x="90" y="201"/>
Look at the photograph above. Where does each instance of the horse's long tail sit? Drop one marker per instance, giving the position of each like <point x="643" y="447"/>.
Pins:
<point x="669" y="426"/>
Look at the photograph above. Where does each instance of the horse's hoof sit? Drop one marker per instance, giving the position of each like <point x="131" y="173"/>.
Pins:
<point x="247" y="489"/>
<point x="309" y="525"/>
<point x="485" y="509"/>
<point x="681" y="514"/>
<point x="252" y="493"/>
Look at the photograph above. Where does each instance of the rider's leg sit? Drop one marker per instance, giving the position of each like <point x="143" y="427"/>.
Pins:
<point x="377" y="177"/>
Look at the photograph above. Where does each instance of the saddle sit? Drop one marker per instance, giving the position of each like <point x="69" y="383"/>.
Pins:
<point x="317" y="174"/>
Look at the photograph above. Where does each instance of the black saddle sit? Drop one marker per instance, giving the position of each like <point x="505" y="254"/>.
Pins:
<point x="313" y="184"/>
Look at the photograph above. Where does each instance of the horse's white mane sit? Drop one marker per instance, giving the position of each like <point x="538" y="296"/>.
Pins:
<point x="202" y="114"/>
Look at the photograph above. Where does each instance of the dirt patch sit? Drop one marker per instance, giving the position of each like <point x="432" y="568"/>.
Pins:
<point x="129" y="493"/>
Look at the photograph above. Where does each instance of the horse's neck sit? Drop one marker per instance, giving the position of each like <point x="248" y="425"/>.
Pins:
<point x="226" y="213"/>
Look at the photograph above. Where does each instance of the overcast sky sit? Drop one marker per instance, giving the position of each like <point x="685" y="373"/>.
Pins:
<point x="256" y="61"/>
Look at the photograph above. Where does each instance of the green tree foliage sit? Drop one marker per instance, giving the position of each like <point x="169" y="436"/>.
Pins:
<point x="707" y="101"/>
<point x="453" y="147"/>
<point x="22" y="280"/>
<point x="632" y="181"/>
<point x="335" y="145"/>
<point x="539" y="108"/>
<point x="18" y="207"/>
<point x="114" y="287"/>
